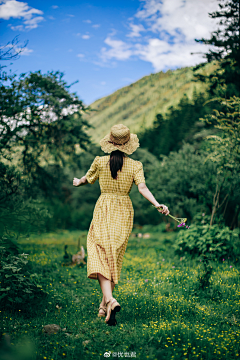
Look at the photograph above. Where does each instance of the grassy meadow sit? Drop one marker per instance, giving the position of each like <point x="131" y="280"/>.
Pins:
<point x="162" y="314"/>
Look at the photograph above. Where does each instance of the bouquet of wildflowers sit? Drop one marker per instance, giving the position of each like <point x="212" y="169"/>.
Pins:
<point x="181" y="221"/>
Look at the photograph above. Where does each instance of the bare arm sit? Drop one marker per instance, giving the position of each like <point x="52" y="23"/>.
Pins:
<point x="144" y="191"/>
<point x="80" y="182"/>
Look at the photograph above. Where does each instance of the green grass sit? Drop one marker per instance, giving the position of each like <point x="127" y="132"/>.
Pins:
<point x="162" y="317"/>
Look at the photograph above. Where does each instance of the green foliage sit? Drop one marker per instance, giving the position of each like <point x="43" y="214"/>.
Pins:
<point x="19" y="214"/>
<point x="207" y="178"/>
<point x="37" y="149"/>
<point x="224" y="151"/>
<point x="225" y="79"/>
<point x="19" y="288"/>
<point x="179" y="124"/>
<point x="205" y="240"/>
<point x="204" y="278"/>
<point x="47" y="121"/>
<point x="201" y="219"/>
<point x="136" y="105"/>
<point x="225" y="148"/>
<point x="183" y="182"/>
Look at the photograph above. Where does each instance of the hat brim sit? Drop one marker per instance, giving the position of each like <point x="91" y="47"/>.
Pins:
<point x="128" y="148"/>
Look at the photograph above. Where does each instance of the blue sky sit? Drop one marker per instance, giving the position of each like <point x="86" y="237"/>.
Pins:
<point x="106" y="44"/>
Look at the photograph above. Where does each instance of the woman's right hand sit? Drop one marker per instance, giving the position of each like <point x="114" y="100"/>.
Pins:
<point x="76" y="182"/>
<point x="164" y="209"/>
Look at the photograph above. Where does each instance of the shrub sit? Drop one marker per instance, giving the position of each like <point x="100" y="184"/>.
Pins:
<point x="206" y="240"/>
<point x="18" y="286"/>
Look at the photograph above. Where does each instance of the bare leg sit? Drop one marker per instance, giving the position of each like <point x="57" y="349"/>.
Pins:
<point x="103" y="303"/>
<point x="106" y="287"/>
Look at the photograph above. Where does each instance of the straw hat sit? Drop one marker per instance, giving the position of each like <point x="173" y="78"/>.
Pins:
<point x="120" y="138"/>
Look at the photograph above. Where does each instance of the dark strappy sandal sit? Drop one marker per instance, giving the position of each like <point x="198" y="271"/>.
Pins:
<point x="114" y="307"/>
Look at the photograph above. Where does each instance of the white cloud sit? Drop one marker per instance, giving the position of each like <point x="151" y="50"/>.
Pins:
<point x="70" y="15"/>
<point x="18" y="50"/>
<point x="150" y="8"/>
<point x="87" y="21"/>
<point x="25" y="51"/>
<point x="54" y="6"/>
<point x="33" y="23"/>
<point x="17" y="9"/>
<point x="80" y="55"/>
<point x="103" y="83"/>
<point x="85" y="37"/>
<point x="179" y="17"/>
<point x="163" y="55"/>
<point x="135" y="30"/>
<point x="51" y="17"/>
<point x="119" y="50"/>
<point x="96" y="26"/>
<point x="171" y="27"/>
<point x="16" y="28"/>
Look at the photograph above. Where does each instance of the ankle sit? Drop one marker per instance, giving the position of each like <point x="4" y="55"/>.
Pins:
<point x="108" y="299"/>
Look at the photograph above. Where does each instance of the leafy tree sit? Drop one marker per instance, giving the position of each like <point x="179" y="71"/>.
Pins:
<point x="40" y="123"/>
<point x="186" y="182"/>
<point x="180" y="124"/>
<point x="225" y="49"/>
<point x="224" y="150"/>
<point x="183" y="182"/>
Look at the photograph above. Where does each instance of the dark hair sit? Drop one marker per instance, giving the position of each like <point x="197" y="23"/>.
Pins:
<point x="116" y="162"/>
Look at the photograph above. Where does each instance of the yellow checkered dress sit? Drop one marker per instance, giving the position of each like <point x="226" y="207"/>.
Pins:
<point x="112" y="217"/>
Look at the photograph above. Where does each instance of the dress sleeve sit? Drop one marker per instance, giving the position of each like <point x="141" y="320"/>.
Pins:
<point x="93" y="172"/>
<point x="139" y="174"/>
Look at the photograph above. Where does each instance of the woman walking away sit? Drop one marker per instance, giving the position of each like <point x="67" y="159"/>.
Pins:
<point x="113" y="214"/>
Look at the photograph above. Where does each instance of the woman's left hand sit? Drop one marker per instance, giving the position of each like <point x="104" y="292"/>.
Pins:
<point x="76" y="182"/>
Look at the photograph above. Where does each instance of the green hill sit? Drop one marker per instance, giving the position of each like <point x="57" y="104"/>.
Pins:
<point x="136" y="105"/>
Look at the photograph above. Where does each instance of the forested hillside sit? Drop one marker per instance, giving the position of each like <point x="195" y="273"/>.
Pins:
<point x="137" y="105"/>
